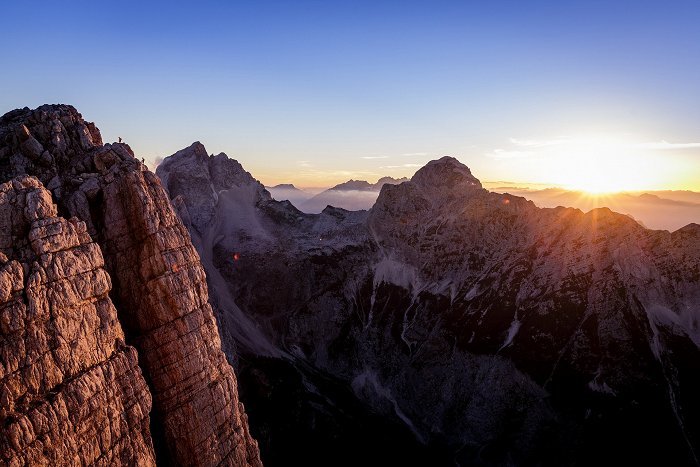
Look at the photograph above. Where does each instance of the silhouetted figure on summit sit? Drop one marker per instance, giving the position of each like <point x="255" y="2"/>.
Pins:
<point x="120" y="139"/>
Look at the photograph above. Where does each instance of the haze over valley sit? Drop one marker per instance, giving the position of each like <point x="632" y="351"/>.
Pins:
<point x="662" y="209"/>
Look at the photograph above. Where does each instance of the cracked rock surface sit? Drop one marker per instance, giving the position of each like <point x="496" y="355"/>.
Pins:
<point x="121" y="270"/>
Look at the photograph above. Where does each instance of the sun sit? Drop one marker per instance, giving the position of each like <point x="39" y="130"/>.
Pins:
<point x="595" y="180"/>
<point x="599" y="175"/>
<point x="603" y="165"/>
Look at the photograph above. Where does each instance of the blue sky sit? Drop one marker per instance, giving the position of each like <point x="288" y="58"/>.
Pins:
<point x="320" y="92"/>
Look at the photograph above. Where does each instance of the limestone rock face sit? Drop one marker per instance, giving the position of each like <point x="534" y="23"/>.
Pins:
<point x="158" y="285"/>
<point x="71" y="392"/>
<point x="162" y="287"/>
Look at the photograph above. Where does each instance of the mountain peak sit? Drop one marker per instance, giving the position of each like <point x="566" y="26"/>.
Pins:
<point x="364" y="185"/>
<point x="350" y="185"/>
<point x="446" y="172"/>
<point x="49" y="140"/>
<point x="438" y="183"/>
<point x="394" y="181"/>
<point x="199" y="178"/>
<point x="196" y="150"/>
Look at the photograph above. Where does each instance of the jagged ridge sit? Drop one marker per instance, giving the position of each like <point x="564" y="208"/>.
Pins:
<point x="494" y="330"/>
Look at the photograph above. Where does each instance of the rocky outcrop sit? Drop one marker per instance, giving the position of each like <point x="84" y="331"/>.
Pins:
<point x="495" y="332"/>
<point x="71" y="392"/>
<point x="198" y="179"/>
<point x="159" y="287"/>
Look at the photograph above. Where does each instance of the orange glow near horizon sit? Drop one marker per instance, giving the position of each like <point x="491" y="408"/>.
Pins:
<point x="595" y="164"/>
<point x="605" y="173"/>
<point x="602" y="164"/>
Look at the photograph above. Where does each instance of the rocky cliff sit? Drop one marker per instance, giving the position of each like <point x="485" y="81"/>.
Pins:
<point x="71" y="391"/>
<point x="118" y="211"/>
<point x="492" y="331"/>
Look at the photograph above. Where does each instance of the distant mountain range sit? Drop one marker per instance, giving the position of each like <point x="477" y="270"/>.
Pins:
<point x="287" y="191"/>
<point x="667" y="210"/>
<point x="662" y="209"/>
<point x="352" y="195"/>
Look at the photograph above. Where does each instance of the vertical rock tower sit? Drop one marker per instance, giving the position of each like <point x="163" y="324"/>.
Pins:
<point x="117" y="210"/>
<point x="71" y="392"/>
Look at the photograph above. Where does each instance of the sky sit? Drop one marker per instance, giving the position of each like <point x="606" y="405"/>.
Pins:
<point x="596" y="95"/>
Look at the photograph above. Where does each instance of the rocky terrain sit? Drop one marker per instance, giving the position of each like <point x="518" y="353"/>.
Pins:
<point x="109" y="349"/>
<point x="469" y="327"/>
<point x="65" y="367"/>
<point x="447" y="325"/>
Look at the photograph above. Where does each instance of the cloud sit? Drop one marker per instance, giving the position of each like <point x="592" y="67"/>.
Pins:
<point x="328" y="177"/>
<point x="663" y="144"/>
<point x="507" y="154"/>
<point x="414" y="154"/>
<point x="374" y="157"/>
<point x="402" y="166"/>
<point x="535" y="143"/>
<point x="304" y="164"/>
<point x="354" y="174"/>
<point x="350" y="199"/>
